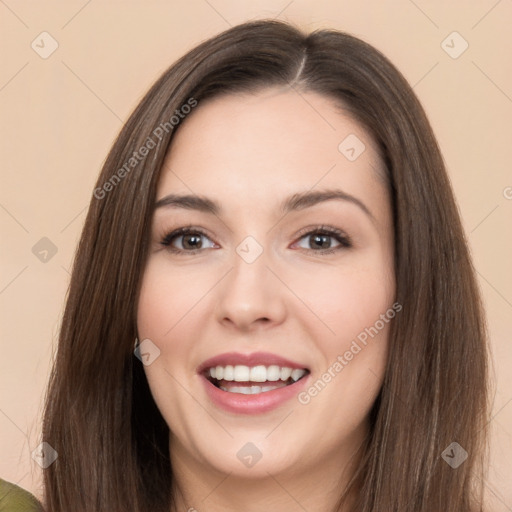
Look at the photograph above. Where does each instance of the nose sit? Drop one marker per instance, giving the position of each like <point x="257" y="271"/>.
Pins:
<point x="251" y="296"/>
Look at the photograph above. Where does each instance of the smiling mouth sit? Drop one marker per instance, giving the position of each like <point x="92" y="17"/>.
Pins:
<point x="252" y="381"/>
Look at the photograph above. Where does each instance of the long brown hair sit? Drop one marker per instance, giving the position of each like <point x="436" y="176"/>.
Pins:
<point x="112" y="442"/>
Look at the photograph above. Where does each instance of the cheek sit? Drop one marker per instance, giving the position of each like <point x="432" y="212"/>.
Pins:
<point x="343" y="301"/>
<point x="353" y="313"/>
<point x="152" y="313"/>
<point x="163" y="303"/>
<point x="174" y="307"/>
<point x="165" y="299"/>
<point x="166" y="296"/>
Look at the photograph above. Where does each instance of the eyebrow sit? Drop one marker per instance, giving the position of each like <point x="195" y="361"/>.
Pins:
<point x="295" y="202"/>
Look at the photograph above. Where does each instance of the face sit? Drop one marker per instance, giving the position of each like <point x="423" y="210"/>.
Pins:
<point x="271" y="278"/>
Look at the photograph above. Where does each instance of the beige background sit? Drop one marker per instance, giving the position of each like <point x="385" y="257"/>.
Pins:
<point x="60" y="114"/>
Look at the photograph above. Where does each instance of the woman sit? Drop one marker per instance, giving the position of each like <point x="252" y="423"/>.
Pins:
<point x="275" y="224"/>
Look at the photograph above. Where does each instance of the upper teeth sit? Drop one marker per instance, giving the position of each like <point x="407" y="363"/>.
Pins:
<point x="240" y="373"/>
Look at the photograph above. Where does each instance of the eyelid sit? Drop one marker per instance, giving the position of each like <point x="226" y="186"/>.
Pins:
<point x="322" y="228"/>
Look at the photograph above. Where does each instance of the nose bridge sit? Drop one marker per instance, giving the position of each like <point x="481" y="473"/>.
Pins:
<point x="249" y="276"/>
<point x="248" y="293"/>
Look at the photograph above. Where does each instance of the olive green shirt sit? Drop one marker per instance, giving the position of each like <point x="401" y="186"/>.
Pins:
<point x="15" y="499"/>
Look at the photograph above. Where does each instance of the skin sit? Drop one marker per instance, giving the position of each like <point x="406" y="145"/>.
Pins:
<point x="249" y="152"/>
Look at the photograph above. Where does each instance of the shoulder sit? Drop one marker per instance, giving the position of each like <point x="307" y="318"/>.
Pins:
<point x="15" y="499"/>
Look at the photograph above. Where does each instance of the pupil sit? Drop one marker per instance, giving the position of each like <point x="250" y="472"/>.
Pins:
<point x="193" y="246"/>
<point x="324" y="243"/>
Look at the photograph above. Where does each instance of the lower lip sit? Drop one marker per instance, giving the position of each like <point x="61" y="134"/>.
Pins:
<point x="252" y="404"/>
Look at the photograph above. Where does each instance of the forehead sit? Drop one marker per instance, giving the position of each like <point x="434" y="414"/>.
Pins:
<point x="272" y="143"/>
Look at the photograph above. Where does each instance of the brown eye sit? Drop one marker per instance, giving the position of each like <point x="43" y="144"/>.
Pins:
<point x="191" y="240"/>
<point x="322" y="239"/>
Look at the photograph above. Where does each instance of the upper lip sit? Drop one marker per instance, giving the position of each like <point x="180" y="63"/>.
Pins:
<point x="254" y="359"/>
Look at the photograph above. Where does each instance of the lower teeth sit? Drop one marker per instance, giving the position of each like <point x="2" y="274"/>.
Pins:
<point x="251" y="390"/>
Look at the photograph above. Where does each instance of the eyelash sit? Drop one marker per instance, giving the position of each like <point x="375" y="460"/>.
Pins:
<point x="344" y="240"/>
